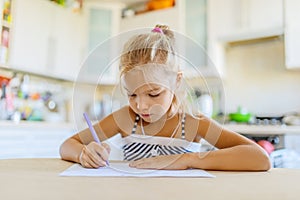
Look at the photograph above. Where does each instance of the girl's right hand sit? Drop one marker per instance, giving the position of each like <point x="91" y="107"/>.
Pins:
<point x="94" y="155"/>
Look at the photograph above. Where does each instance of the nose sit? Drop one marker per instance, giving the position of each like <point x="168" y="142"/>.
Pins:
<point x="141" y="103"/>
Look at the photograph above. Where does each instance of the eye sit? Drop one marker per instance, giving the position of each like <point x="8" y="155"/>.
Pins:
<point x="154" y="95"/>
<point x="131" y="95"/>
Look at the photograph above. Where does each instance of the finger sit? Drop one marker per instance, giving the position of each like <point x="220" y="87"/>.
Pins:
<point x="102" y="152"/>
<point x="107" y="147"/>
<point x="90" y="164"/>
<point x="96" y="165"/>
<point x="83" y="158"/>
<point x="94" y="159"/>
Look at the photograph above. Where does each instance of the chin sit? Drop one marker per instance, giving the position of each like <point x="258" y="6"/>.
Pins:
<point x="154" y="118"/>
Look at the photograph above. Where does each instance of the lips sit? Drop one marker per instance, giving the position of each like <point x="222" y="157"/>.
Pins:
<point x="145" y="115"/>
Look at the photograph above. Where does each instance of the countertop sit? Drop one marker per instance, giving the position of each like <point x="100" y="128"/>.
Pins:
<point x="240" y="128"/>
<point x="35" y="179"/>
<point x="36" y="124"/>
<point x="263" y="129"/>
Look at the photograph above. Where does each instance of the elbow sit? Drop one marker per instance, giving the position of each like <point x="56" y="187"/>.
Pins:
<point x="265" y="163"/>
<point x="61" y="151"/>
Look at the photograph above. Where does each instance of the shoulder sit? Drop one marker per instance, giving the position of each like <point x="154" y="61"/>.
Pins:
<point x="202" y="124"/>
<point x="195" y="118"/>
<point x="122" y="118"/>
<point x="199" y="118"/>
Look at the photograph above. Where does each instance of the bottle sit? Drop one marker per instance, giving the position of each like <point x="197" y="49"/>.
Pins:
<point x="3" y="107"/>
<point x="205" y="103"/>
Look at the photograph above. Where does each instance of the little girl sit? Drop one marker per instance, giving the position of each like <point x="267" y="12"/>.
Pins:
<point x="156" y="130"/>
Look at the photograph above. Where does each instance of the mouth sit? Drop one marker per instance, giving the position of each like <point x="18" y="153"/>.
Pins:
<point x="145" y="115"/>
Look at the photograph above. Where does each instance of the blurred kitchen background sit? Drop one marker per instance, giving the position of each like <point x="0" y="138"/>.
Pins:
<point x="252" y="44"/>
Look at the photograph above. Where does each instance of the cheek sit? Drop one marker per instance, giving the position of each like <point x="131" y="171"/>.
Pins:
<point x="132" y="104"/>
<point x="161" y="106"/>
<point x="158" y="111"/>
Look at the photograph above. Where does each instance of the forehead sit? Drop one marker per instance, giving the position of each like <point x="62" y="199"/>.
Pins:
<point x="149" y="87"/>
<point x="148" y="76"/>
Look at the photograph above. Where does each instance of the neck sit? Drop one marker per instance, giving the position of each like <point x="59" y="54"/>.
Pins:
<point x="164" y="123"/>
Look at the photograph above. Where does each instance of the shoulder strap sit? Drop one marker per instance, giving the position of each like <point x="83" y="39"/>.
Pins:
<point x="137" y="118"/>
<point x="182" y="126"/>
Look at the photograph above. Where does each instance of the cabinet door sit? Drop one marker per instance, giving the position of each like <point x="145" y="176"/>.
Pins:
<point x="221" y="21"/>
<point x="32" y="23"/>
<point x="32" y="142"/>
<point x="196" y="30"/>
<point x="102" y="24"/>
<point x="233" y="20"/>
<point x="248" y="16"/>
<point x="292" y="32"/>
<point x="66" y="50"/>
<point x="173" y="17"/>
<point x="260" y="15"/>
<point x="196" y="21"/>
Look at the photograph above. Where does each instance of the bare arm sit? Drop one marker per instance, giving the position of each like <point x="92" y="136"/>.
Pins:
<point x="235" y="152"/>
<point x="72" y="148"/>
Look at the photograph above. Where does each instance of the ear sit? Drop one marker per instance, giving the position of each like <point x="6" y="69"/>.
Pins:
<point x="179" y="78"/>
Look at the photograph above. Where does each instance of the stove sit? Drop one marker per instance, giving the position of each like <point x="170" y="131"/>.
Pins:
<point x="277" y="140"/>
<point x="268" y="120"/>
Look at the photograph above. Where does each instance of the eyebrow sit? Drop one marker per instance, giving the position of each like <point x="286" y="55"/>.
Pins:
<point x="150" y="90"/>
<point x="153" y="90"/>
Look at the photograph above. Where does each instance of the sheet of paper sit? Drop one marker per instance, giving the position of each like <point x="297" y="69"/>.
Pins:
<point x="123" y="170"/>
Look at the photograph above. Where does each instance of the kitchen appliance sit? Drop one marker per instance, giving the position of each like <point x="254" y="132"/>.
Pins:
<point x="274" y="146"/>
<point x="269" y="120"/>
<point x="292" y="119"/>
<point x="281" y="155"/>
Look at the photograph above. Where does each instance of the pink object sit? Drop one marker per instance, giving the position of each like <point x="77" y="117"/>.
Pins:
<point x="157" y="30"/>
<point x="266" y="145"/>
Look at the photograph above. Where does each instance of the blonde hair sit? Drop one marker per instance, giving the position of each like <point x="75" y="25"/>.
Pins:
<point x="153" y="47"/>
<point x="157" y="47"/>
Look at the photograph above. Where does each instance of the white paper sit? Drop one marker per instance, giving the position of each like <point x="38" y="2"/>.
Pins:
<point x="123" y="170"/>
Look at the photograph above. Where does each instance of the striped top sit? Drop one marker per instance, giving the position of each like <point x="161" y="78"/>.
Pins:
<point x="136" y="150"/>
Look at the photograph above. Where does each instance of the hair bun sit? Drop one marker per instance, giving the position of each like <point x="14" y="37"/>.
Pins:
<point x="166" y="30"/>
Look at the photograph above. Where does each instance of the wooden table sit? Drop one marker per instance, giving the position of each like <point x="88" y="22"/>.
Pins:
<point x="30" y="179"/>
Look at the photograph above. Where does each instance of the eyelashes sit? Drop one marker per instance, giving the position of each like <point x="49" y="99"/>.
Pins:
<point x="150" y="95"/>
<point x="154" y="95"/>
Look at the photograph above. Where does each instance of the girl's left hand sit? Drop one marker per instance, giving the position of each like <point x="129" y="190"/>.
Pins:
<point x="172" y="162"/>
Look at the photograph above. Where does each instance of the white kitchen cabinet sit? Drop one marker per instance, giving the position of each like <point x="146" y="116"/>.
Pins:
<point x="47" y="39"/>
<point x="243" y="19"/>
<point x="220" y="22"/>
<point x="173" y="17"/>
<point x="103" y="21"/>
<point x="292" y="32"/>
<point x="237" y="20"/>
<point x="196" y="21"/>
<point x="30" y="37"/>
<point x="262" y="15"/>
<point x="33" y="139"/>
<point x="5" y="30"/>
<point x="188" y="20"/>
<point x="195" y="29"/>
<point x="67" y="46"/>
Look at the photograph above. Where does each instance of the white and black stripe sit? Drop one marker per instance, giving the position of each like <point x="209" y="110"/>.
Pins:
<point x="138" y="150"/>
